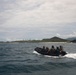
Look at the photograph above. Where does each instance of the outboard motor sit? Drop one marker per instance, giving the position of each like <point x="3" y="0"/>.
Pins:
<point x="63" y="53"/>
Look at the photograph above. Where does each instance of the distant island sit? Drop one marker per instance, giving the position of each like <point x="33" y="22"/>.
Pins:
<point x="74" y="41"/>
<point x="53" y="39"/>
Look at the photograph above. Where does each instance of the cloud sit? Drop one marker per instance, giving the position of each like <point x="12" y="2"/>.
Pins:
<point x="40" y="11"/>
<point x="40" y="18"/>
<point x="72" y="34"/>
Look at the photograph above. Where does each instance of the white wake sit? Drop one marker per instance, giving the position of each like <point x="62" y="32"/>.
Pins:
<point x="71" y="55"/>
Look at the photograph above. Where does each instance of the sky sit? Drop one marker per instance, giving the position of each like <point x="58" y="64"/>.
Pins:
<point x="37" y="19"/>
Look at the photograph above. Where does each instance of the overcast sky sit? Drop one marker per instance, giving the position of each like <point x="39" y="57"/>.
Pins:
<point x="37" y="19"/>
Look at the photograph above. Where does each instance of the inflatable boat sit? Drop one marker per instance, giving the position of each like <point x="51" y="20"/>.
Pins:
<point x="50" y="53"/>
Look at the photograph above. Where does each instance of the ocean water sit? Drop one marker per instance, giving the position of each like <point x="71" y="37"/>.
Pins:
<point x="20" y="59"/>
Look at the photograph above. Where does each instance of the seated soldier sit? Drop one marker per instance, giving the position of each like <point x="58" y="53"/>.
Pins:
<point x="43" y="48"/>
<point x="57" y="52"/>
<point x="52" y="51"/>
<point x="47" y="49"/>
<point x="61" y="48"/>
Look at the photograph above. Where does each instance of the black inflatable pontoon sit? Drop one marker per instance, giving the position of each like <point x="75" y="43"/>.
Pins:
<point x="44" y="52"/>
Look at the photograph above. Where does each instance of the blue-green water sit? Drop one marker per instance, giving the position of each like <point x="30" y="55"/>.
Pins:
<point x="19" y="59"/>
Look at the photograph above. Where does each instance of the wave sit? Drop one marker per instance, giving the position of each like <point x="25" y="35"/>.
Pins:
<point x="48" y="66"/>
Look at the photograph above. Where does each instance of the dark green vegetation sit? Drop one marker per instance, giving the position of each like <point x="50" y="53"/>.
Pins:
<point x="53" y="39"/>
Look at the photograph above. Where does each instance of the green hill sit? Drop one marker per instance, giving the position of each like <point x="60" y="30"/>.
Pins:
<point x="55" y="39"/>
